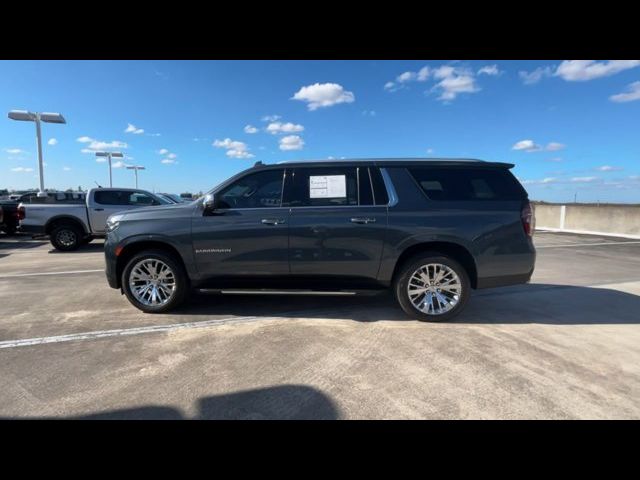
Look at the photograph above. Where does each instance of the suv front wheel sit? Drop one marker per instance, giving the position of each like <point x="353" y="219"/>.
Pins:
<point x="154" y="281"/>
<point x="432" y="287"/>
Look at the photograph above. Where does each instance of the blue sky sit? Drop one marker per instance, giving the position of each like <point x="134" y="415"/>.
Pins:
<point x="570" y="127"/>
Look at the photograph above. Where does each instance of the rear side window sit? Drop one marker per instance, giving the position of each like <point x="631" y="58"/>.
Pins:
<point x="379" y="190"/>
<point x="323" y="187"/>
<point x="111" y="197"/>
<point x="466" y="184"/>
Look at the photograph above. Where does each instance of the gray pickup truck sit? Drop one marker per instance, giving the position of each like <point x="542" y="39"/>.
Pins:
<point x="69" y="225"/>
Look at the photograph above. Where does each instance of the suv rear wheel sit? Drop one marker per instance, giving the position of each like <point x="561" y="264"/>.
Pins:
<point x="154" y="281"/>
<point x="432" y="287"/>
<point x="66" y="237"/>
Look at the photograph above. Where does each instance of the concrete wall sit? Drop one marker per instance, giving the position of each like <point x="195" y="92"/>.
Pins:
<point x="623" y="220"/>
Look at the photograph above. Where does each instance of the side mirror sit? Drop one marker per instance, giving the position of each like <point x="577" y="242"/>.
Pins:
<point x="209" y="203"/>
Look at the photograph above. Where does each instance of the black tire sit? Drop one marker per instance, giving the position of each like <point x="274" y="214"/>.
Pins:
<point x="410" y="266"/>
<point x="181" y="281"/>
<point x="66" y="237"/>
<point x="87" y="240"/>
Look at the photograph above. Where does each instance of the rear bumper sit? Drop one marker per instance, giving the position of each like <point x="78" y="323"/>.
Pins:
<point x="33" y="229"/>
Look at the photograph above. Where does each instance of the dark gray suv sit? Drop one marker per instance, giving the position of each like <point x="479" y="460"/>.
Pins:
<point x="431" y="230"/>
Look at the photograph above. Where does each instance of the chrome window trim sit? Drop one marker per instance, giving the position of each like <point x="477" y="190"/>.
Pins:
<point x="391" y="191"/>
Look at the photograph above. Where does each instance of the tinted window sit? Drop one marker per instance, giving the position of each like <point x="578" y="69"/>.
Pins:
<point x="142" y="199"/>
<point x="257" y="190"/>
<point x="322" y="187"/>
<point x="379" y="190"/>
<point x="111" y="197"/>
<point x="364" y="184"/>
<point x="458" y="184"/>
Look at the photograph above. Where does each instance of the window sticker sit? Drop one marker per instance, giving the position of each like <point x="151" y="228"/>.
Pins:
<point x="328" y="186"/>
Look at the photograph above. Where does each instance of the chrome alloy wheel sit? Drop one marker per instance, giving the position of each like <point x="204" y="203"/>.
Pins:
<point x="66" y="238"/>
<point x="152" y="282"/>
<point x="434" y="289"/>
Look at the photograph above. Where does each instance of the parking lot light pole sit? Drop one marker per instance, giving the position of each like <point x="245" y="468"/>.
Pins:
<point x="36" y="117"/>
<point x="109" y="155"/>
<point x="135" y="168"/>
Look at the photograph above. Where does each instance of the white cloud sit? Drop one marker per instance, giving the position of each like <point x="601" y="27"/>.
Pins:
<point x="369" y="113"/>
<point x="96" y="145"/>
<point x="167" y="161"/>
<point x="544" y="181"/>
<point x="531" y="146"/>
<point x="583" y="70"/>
<point x="52" y="141"/>
<point x="172" y="155"/>
<point x="390" y="86"/>
<point x="406" y="77"/>
<point x="554" y="146"/>
<point x="321" y="95"/>
<point x="291" y="142"/>
<point x="14" y="151"/>
<point x="453" y="81"/>
<point x="278" y="127"/>
<point x="235" y="149"/>
<point x="632" y="93"/>
<point x="250" y="129"/>
<point x="271" y="118"/>
<point x="153" y="134"/>
<point x="22" y="169"/>
<point x="66" y="169"/>
<point x="609" y="168"/>
<point x="584" y="179"/>
<point x="163" y="151"/>
<point x="527" y="146"/>
<point x="491" y="70"/>
<point x="118" y="164"/>
<point x="430" y="151"/>
<point x="530" y="78"/>
<point x="100" y="159"/>
<point x="133" y="129"/>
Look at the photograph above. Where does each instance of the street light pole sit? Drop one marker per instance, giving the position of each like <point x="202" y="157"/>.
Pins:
<point x="39" y="142"/>
<point x="109" y="155"/>
<point x="135" y="168"/>
<point x="26" y="116"/>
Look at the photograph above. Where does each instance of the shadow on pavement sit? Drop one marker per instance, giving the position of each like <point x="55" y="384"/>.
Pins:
<point x="285" y="402"/>
<point x="92" y="247"/>
<point x="522" y="304"/>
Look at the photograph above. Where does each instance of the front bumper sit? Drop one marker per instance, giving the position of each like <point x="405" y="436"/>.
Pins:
<point x="111" y="263"/>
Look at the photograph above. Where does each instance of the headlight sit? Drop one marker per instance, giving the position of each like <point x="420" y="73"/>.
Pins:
<point x="112" y="225"/>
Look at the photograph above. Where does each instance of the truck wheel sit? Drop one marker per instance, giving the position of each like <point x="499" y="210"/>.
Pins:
<point x="66" y="238"/>
<point x="154" y="281"/>
<point x="432" y="287"/>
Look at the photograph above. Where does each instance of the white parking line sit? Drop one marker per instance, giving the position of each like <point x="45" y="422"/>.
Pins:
<point x="122" y="332"/>
<point x="69" y="272"/>
<point x="587" y="244"/>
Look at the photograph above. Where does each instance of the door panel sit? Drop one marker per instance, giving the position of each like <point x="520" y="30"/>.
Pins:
<point x="248" y="233"/>
<point x="242" y="242"/>
<point x="330" y="241"/>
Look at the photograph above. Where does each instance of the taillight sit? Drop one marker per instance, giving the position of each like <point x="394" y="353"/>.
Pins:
<point x="528" y="219"/>
<point x="20" y="212"/>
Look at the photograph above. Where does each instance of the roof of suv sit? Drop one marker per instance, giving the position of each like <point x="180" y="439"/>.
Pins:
<point x="392" y="162"/>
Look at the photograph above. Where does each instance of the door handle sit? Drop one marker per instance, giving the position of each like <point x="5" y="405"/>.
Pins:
<point x="98" y="209"/>
<point x="363" y="220"/>
<point x="273" y="221"/>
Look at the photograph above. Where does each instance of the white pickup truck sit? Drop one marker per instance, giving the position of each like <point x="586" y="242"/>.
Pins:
<point x="71" y="225"/>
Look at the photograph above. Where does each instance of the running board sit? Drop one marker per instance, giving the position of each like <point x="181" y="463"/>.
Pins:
<point x="237" y="291"/>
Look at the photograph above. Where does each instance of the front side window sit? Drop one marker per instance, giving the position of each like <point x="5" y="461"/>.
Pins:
<point x="256" y="190"/>
<point x="141" y="199"/>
